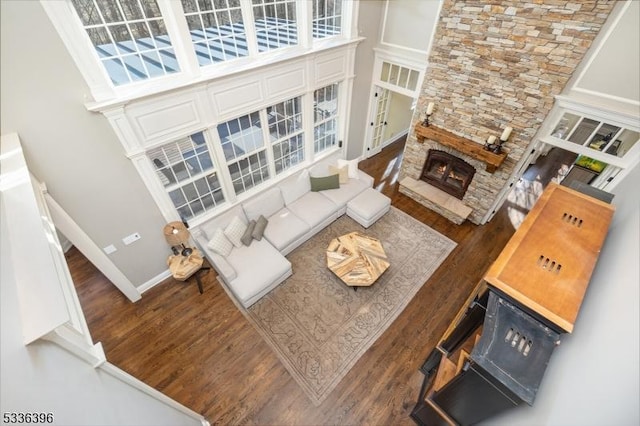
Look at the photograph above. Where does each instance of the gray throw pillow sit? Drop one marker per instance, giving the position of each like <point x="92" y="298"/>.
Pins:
<point x="326" y="182"/>
<point x="247" y="237"/>
<point x="258" y="231"/>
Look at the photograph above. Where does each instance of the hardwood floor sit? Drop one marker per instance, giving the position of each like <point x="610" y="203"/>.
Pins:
<point x="202" y="352"/>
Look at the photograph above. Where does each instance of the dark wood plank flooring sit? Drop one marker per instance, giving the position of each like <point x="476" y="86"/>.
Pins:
<point x="202" y="352"/>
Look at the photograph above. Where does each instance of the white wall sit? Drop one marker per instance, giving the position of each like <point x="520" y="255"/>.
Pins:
<point x="399" y="117"/>
<point x="615" y="69"/>
<point x="592" y="377"/>
<point x="409" y="23"/>
<point x="43" y="377"/>
<point x="370" y="13"/>
<point x="73" y="151"/>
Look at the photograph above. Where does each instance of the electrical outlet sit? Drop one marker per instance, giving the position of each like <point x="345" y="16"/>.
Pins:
<point x="131" y="238"/>
<point x="109" y="249"/>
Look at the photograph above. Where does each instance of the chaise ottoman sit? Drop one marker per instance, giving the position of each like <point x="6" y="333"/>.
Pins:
<point x="369" y="206"/>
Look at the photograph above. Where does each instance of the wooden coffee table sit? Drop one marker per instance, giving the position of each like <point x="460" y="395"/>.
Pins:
<point x="358" y="260"/>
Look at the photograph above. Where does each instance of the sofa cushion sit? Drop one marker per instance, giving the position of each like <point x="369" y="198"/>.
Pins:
<point x="284" y="228"/>
<point x="247" y="237"/>
<point x="324" y="183"/>
<point x="265" y="204"/>
<point x="234" y="231"/>
<point x="222" y="220"/>
<point x="260" y="264"/>
<point x="258" y="230"/>
<point x="342" y="195"/>
<point x="352" y="167"/>
<point x="220" y="244"/>
<point x="295" y="187"/>
<point x="313" y="208"/>
<point x="343" y="172"/>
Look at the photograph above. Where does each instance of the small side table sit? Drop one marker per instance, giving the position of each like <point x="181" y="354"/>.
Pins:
<point x="184" y="267"/>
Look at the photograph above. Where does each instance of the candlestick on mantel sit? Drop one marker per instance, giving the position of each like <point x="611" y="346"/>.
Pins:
<point x="491" y="140"/>
<point x="430" y="108"/>
<point x="506" y="134"/>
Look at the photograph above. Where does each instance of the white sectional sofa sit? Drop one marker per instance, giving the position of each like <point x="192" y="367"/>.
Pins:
<point x="294" y="214"/>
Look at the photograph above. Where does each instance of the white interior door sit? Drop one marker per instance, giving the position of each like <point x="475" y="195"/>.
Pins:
<point x="378" y="121"/>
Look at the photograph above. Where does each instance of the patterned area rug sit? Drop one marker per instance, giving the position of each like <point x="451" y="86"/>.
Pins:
<point x="318" y="326"/>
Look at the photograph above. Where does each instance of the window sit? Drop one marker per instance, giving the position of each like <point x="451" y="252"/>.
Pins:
<point x="127" y="49"/>
<point x="285" y="131"/>
<point x="244" y="151"/>
<point x="595" y="134"/>
<point x="327" y="18"/>
<point x="325" y="105"/>
<point x="217" y="30"/>
<point x="187" y="171"/>
<point x="399" y="76"/>
<point x="129" y="37"/>
<point x="275" y="22"/>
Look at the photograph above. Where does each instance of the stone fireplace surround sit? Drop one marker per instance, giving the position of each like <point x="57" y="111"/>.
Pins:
<point x="447" y="205"/>
<point x="494" y="65"/>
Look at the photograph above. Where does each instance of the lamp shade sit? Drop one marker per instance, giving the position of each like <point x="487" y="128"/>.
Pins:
<point x="176" y="233"/>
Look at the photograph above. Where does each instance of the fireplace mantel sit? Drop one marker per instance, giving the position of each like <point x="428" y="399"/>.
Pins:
<point x="466" y="146"/>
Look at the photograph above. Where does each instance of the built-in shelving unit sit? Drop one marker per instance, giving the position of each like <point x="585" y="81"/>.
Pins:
<point x="466" y="146"/>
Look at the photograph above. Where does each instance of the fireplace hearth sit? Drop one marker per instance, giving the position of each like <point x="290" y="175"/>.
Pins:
<point x="447" y="172"/>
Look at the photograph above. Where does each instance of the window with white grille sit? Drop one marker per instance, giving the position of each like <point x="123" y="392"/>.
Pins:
<point x="325" y="106"/>
<point x="327" y="18"/>
<point x="129" y="37"/>
<point x="275" y="23"/>
<point x="286" y="134"/>
<point x="217" y="30"/>
<point x="244" y="151"/>
<point x="187" y="171"/>
<point x="399" y="76"/>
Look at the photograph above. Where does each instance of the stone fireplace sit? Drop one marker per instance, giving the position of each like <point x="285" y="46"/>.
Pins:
<point x="447" y="172"/>
<point x="492" y="65"/>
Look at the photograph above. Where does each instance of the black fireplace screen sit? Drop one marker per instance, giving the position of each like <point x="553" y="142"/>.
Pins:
<point x="447" y="172"/>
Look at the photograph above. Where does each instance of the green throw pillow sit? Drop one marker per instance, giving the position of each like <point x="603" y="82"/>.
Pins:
<point x="326" y="182"/>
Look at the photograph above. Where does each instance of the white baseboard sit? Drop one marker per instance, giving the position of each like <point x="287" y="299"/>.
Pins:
<point x="154" y="281"/>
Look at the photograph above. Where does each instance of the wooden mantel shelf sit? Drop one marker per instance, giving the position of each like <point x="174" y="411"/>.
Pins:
<point x="466" y="146"/>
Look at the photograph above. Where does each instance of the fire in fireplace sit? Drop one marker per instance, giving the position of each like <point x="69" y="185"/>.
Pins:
<point x="447" y="172"/>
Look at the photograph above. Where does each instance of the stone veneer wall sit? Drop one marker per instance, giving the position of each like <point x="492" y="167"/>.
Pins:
<point x="497" y="64"/>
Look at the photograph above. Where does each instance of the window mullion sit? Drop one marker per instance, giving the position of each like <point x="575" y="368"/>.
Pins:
<point x="266" y="137"/>
<point x="304" y="17"/>
<point x="249" y="28"/>
<point x="308" y="124"/>
<point x="176" y="24"/>
<point x="215" y="149"/>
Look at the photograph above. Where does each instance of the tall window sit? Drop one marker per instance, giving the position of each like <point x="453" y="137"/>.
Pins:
<point x="217" y="30"/>
<point x="244" y="151"/>
<point x="275" y="22"/>
<point x="325" y="105"/>
<point x="186" y="169"/>
<point x="327" y="18"/>
<point x="285" y="131"/>
<point x="129" y="37"/>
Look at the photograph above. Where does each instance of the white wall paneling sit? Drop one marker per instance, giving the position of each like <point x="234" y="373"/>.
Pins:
<point x="230" y="101"/>
<point x="167" y="117"/>
<point x="329" y="68"/>
<point x="123" y="129"/>
<point x="603" y="74"/>
<point x="409" y="24"/>
<point x="287" y="83"/>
